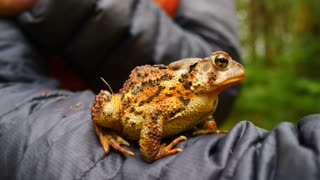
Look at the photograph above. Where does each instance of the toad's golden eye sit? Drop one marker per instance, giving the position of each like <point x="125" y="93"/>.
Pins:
<point x="220" y="61"/>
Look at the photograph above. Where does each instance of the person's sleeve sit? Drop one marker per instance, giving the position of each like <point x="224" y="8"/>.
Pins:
<point x="19" y="61"/>
<point x="108" y="38"/>
<point x="34" y="113"/>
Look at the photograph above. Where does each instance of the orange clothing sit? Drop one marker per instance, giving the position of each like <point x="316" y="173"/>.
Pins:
<point x="169" y="6"/>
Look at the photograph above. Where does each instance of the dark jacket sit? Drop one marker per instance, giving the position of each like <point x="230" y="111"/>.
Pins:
<point x="47" y="133"/>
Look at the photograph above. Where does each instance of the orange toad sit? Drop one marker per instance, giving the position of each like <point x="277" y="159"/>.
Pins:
<point x="160" y="101"/>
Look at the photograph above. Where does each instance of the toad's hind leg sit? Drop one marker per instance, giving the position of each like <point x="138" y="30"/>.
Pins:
<point x="110" y="138"/>
<point x="209" y="127"/>
<point x="150" y="139"/>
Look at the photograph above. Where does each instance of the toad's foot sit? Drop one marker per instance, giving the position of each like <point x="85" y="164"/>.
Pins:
<point x="209" y="127"/>
<point x="168" y="150"/>
<point x="110" y="138"/>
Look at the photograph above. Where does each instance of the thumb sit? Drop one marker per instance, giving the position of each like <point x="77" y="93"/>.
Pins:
<point x="14" y="7"/>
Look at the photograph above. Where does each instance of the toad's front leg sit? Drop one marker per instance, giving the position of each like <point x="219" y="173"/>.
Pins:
<point x="208" y="127"/>
<point x="150" y="139"/>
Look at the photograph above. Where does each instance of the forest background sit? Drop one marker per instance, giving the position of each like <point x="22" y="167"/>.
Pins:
<point x="281" y="52"/>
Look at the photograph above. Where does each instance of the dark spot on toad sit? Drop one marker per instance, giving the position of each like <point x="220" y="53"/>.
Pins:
<point x="173" y="113"/>
<point x="126" y="103"/>
<point x="166" y="77"/>
<point x="184" y="101"/>
<point x="212" y="77"/>
<point x="132" y="110"/>
<point x="138" y="112"/>
<point x="191" y="68"/>
<point x="185" y="82"/>
<point x="187" y="85"/>
<point x="156" y="94"/>
<point x="126" y="120"/>
<point x="142" y="103"/>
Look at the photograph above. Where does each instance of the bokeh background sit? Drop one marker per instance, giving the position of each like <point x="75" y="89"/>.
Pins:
<point x="281" y="53"/>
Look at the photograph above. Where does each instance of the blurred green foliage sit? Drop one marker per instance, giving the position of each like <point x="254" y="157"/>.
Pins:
<point x="280" y="50"/>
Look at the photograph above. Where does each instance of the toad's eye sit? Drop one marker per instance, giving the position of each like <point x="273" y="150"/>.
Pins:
<point x="220" y="61"/>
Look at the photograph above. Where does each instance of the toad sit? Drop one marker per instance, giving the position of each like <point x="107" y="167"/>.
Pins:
<point x="160" y="101"/>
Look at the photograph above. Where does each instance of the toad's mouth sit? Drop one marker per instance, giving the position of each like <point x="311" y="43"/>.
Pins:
<point x="230" y="82"/>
